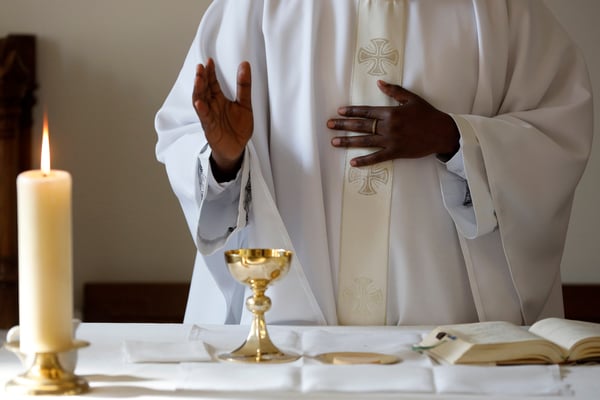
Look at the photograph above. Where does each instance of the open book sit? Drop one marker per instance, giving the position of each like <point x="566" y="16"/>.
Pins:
<point x="548" y="341"/>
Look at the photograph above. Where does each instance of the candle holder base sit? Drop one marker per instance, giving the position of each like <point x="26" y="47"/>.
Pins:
<point x="46" y="376"/>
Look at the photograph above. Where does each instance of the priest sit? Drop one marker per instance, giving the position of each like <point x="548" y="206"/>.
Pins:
<point x="418" y="157"/>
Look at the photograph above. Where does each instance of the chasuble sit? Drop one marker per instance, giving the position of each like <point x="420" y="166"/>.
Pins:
<point x="477" y="238"/>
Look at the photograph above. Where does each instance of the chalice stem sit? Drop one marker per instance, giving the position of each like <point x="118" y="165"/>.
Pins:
<point x="258" y="332"/>
<point x="258" y="343"/>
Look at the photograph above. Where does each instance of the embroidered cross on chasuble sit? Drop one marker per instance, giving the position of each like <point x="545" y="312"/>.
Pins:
<point x="362" y="285"/>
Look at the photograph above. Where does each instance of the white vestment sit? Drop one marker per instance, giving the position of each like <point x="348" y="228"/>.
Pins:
<point x="478" y="238"/>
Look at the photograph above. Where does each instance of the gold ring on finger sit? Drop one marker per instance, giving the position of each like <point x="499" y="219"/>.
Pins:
<point x="374" y="127"/>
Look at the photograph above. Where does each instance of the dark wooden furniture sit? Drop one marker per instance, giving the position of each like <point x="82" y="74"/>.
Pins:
<point x="134" y="302"/>
<point x="17" y="86"/>
<point x="165" y="302"/>
<point x="582" y="302"/>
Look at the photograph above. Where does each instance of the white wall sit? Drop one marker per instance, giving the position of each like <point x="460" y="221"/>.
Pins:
<point x="104" y="69"/>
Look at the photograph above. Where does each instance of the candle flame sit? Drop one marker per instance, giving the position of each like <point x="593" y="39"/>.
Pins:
<point x="45" y="164"/>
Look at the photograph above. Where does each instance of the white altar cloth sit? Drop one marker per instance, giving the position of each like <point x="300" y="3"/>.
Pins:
<point x="111" y="374"/>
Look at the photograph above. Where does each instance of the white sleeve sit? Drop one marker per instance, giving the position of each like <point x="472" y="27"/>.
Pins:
<point x="224" y="208"/>
<point x="229" y="33"/>
<point x="527" y="140"/>
<point x="464" y="186"/>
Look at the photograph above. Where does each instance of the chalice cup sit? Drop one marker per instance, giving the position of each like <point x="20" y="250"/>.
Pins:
<point x="258" y="268"/>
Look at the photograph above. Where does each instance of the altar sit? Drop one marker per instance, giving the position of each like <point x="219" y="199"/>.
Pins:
<point x="165" y="361"/>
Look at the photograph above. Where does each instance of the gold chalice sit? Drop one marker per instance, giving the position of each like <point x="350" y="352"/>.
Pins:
<point x="258" y="268"/>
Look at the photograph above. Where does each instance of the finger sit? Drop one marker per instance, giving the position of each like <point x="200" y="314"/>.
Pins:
<point x="396" y="92"/>
<point x="244" y="85"/>
<point x="360" y="125"/>
<point x="199" y="93"/>
<point x="362" y="111"/>
<point x="362" y="141"/>
<point x="369" y="159"/>
<point x="213" y="82"/>
<point x="199" y="82"/>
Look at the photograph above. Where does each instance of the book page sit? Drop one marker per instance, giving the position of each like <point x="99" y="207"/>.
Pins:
<point x="491" y="332"/>
<point x="564" y="332"/>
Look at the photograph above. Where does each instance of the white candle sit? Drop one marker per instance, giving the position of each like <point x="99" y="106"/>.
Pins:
<point x="45" y="257"/>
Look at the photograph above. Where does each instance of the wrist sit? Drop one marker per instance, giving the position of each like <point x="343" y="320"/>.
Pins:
<point x="452" y="142"/>
<point x="225" y="170"/>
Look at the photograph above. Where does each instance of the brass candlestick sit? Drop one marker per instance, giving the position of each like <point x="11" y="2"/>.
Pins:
<point x="258" y="268"/>
<point x="46" y="376"/>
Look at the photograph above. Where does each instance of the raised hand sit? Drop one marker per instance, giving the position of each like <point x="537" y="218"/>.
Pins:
<point x="412" y="129"/>
<point x="227" y="124"/>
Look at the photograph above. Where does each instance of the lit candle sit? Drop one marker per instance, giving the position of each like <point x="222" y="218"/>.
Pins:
<point x="45" y="257"/>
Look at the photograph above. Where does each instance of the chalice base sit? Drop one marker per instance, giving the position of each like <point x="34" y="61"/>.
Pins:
<point x="258" y="347"/>
<point x="249" y="354"/>
<point x="47" y="377"/>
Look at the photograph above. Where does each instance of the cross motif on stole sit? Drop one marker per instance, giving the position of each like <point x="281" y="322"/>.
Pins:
<point x="377" y="55"/>
<point x="364" y="240"/>
<point x="363" y="295"/>
<point x="369" y="178"/>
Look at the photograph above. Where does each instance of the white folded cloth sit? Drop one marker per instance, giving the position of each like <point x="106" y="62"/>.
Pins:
<point x="307" y="374"/>
<point x="525" y="380"/>
<point x="415" y="373"/>
<point x="398" y="378"/>
<point x="367" y="378"/>
<point x="232" y="377"/>
<point x="321" y="341"/>
<point x="165" y="352"/>
<point x="386" y="342"/>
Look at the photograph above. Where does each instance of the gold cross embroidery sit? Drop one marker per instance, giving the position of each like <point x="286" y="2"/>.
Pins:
<point x="369" y="178"/>
<point x="363" y="295"/>
<point x="377" y="55"/>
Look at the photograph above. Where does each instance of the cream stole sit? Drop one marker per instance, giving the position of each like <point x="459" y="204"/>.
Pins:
<point x="362" y="286"/>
